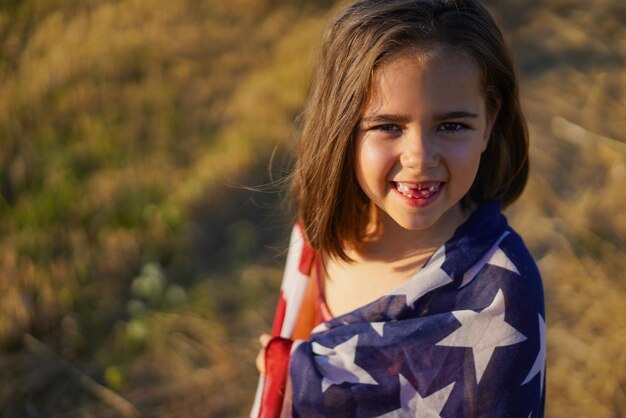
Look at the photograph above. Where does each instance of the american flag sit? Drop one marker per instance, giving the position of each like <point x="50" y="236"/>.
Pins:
<point x="464" y="337"/>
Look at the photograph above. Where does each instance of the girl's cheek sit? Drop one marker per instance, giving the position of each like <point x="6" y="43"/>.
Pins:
<point x="375" y="152"/>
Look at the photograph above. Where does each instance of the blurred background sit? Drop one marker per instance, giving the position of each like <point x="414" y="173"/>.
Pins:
<point x="142" y="234"/>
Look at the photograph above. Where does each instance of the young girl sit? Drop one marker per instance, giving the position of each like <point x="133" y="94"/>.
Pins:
<point x="405" y="292"/>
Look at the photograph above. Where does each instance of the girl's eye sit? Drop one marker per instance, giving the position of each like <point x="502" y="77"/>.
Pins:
<point x="452" y="127"/>
<point x="388" y="127"/>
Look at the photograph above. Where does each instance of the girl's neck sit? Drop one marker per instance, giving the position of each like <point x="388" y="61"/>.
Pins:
<point x="391" y="243"/>
<point x="387" y="257"/>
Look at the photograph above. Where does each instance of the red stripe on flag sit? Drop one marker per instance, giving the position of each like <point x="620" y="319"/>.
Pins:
<point x="306" y="261"/>
<point x="279" y="316"/>
<point x="277" y="355"/>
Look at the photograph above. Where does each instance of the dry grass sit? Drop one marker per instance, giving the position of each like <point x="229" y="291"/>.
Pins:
<point x="571" y="214"/>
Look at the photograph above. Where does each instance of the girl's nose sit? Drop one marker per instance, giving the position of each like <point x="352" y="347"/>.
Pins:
<point x="419" y="153"/>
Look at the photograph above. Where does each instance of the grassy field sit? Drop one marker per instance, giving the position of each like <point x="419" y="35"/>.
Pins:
<point x="141" y="248"/>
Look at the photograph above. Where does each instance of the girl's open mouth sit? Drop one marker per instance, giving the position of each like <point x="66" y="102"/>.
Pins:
<point x="418" y="191"/>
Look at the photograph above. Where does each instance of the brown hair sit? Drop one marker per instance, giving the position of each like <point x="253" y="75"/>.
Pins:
<point x="332" y="207"/>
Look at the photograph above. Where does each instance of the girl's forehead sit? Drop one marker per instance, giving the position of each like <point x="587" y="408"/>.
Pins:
<point x="418" y="82"/>
<point x="430" y="63"/>
<point x="432" y="59"/>
<point x="424" y="54"/>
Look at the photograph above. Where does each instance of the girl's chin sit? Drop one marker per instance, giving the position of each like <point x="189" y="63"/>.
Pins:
<point x="434" y="222"/>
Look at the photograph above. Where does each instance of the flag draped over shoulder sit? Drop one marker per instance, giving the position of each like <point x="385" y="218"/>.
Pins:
<point x="464" y="337"/>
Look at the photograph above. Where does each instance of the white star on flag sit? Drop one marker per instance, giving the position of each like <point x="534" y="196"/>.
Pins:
<point x="431" y="277"/>
<point x="320" y="328"/>
<point x="539" y="366"/>
<point x="378" y="327"/>
<point x="337" y="364"/>
<point x="482" y="332"/>
<point x="500" y="259"/>
<point x="495" y="257"/>
<point x="412" y="404"/>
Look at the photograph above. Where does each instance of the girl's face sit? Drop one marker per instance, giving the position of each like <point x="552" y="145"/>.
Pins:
<point x="419" y="142"/>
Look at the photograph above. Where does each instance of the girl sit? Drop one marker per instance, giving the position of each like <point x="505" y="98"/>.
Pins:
<point x="405" y="292"/>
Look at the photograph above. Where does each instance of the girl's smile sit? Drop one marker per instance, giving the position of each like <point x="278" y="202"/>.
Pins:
<point x="420" y="140"/>
<point x="420" y="194"/>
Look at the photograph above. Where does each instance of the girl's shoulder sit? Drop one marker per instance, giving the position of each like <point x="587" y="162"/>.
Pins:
<point x="510" y="271"/>
<point x="488" y="257"/>
<point x="516" y="250"/>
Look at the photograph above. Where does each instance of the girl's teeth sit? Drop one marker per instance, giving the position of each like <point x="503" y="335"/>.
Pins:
<point x="417" y="190"/>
